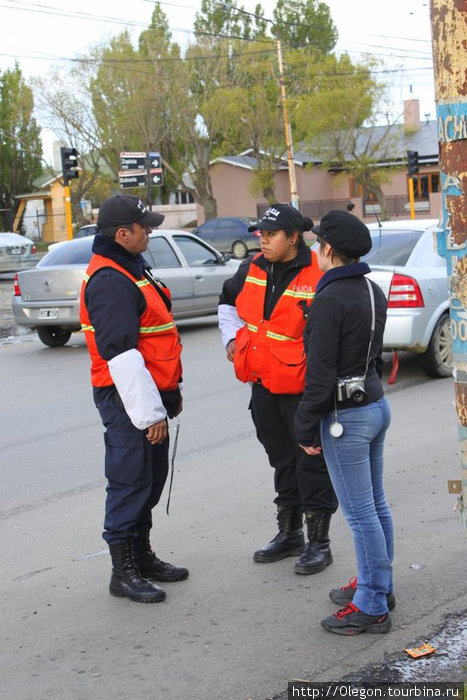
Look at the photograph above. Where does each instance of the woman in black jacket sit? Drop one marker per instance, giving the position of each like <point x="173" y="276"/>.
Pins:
<point x="345" y="414"/>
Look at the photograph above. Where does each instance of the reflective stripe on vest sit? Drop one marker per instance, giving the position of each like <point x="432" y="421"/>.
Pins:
<point x="272" y="350"/>
<point x="158" y="339"/>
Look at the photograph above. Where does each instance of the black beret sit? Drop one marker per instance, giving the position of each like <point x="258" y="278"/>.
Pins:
<point x="345" y="232"/>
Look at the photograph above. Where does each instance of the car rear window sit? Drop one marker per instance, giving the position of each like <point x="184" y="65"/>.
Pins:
<point x="77" y="252"/>
<point x="391" y="247"/>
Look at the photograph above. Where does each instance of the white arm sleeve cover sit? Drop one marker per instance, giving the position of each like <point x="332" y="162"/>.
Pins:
<point x="229" y="322"/>
<point x="138" y="392"/>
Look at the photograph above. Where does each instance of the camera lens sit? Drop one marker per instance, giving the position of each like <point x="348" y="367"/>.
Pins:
<point x="358" y="396"/>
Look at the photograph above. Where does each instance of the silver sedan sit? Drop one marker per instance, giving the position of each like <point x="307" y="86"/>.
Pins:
<point x="47" y="297"/>
<point x="16" y="252"/>
<point x="413" y="276"/>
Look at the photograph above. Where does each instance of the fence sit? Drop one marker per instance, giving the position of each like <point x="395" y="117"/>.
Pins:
<point x="397" y="205"/>
<point x="44" y="227"/>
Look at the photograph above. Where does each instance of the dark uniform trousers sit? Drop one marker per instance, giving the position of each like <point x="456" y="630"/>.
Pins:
<point x="299" y="479"/>
<point x="136" y="471"/>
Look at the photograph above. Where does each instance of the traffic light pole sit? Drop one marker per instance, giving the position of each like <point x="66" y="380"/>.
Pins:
<point x="412" y="169"/>
<point x="411" y="198"/>
<point x="69" y="225"/>
<point x="69" y="158"/>
<point x="449" y="32"/>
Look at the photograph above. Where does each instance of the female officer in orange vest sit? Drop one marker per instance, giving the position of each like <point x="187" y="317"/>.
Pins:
<point x="262" y="315"/>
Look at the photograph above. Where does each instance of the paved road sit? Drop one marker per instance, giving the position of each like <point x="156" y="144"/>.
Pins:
<point x="235" y="629"/>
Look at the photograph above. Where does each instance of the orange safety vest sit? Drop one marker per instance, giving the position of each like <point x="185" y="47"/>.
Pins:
<point x="272" y="351"/>
<point x="158" y="340"/>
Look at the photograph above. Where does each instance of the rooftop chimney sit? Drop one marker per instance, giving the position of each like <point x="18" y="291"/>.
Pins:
<point x="411" y="115"/>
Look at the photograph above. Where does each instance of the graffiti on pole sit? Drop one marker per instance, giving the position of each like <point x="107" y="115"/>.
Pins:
<point x="449" y="38"/>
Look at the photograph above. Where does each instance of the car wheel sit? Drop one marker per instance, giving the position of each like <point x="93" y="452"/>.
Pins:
<point x="239" y="249"/>
<point x="53" y="336"/>
<point x="437" y="361"/>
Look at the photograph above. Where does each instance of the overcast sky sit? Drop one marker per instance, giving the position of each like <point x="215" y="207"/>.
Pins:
<point x="41" y="33"/>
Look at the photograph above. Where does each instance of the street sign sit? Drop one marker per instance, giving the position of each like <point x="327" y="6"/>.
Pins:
<point x="132" y="178"/>
<point x="140" y="169"/>
<point x="133" y="161"/>
<point x="156" y="176"/>
<point x="154" y="160"/>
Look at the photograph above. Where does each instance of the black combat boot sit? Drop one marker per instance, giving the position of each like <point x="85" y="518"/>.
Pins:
<point x="289" y="540"/>
<point x="152" y="567"/>
<point x="316" y="555"/>
<point x="126" y="581"/>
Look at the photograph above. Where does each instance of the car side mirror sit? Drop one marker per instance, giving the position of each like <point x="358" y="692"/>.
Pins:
<point x="225" y="257"/>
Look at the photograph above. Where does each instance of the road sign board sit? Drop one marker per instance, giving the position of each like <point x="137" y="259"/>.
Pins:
<point x="154" y="160"/>
<point x="133" y="161"/>
<point x="134" y="171"/>
<point x="157" y="177"/>
<point x="132" y="178"/>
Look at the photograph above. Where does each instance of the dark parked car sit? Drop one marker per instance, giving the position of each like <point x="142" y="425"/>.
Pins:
<point x="83" y="232"/>
<point x="229" y="234"/>
<point x="88" y="230"/>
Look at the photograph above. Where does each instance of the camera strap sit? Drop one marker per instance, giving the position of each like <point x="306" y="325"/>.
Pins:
<point x="373" y="322"/>
<point x="336" y="429"/>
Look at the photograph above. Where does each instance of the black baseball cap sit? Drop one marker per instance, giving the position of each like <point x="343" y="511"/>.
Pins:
<point x="123" y="209"/>
<point x="345" y="232"/>
<point x="282" y="217"/>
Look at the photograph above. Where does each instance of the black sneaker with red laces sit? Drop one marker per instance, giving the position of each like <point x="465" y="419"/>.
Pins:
<point x="344" y="595"/>
<point x="350" y="621"/>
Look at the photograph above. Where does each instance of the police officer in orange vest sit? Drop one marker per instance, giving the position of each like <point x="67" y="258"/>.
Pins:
<point x="262" y="316"/>
<point x="135" y="373"/>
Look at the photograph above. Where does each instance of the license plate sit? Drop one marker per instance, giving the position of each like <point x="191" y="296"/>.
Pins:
<point x="17" y="250"/>
<point x="48" y="313"/>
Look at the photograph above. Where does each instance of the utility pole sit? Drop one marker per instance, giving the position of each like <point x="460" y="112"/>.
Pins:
<point x="449" y="35"/>
<point x="288" y="131"/>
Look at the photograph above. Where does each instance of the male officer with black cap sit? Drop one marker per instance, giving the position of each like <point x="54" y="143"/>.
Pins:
<point x="135" y="373"/>
<point x="262" y="314"/>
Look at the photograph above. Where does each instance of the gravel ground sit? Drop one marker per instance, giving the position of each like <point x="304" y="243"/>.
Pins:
<point x="447" y="664"/>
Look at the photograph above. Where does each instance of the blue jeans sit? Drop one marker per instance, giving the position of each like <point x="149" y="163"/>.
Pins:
<point x="355" y="464"/>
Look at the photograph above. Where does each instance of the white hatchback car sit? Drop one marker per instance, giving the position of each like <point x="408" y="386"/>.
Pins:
<point x="405" y="264"/>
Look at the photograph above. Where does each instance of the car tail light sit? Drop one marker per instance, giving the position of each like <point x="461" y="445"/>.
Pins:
<point x="33" y="248"/>
<point x="404" y="293"/>
<point x="16" y="289"/>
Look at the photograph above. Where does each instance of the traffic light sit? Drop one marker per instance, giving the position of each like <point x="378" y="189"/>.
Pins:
<point x="412" y="162"/>
<point x="69" y="163"/>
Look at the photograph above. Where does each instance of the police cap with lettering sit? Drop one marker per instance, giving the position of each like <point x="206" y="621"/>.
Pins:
<point x="125" y="209"/>
<point x="282" y="217"/>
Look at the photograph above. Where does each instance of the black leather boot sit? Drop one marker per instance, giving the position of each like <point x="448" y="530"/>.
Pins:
<point x="126" y="581"/>
<point x="152" y="567"/>
<point x="289" y="540"/>
<point x="316" y="555"/>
